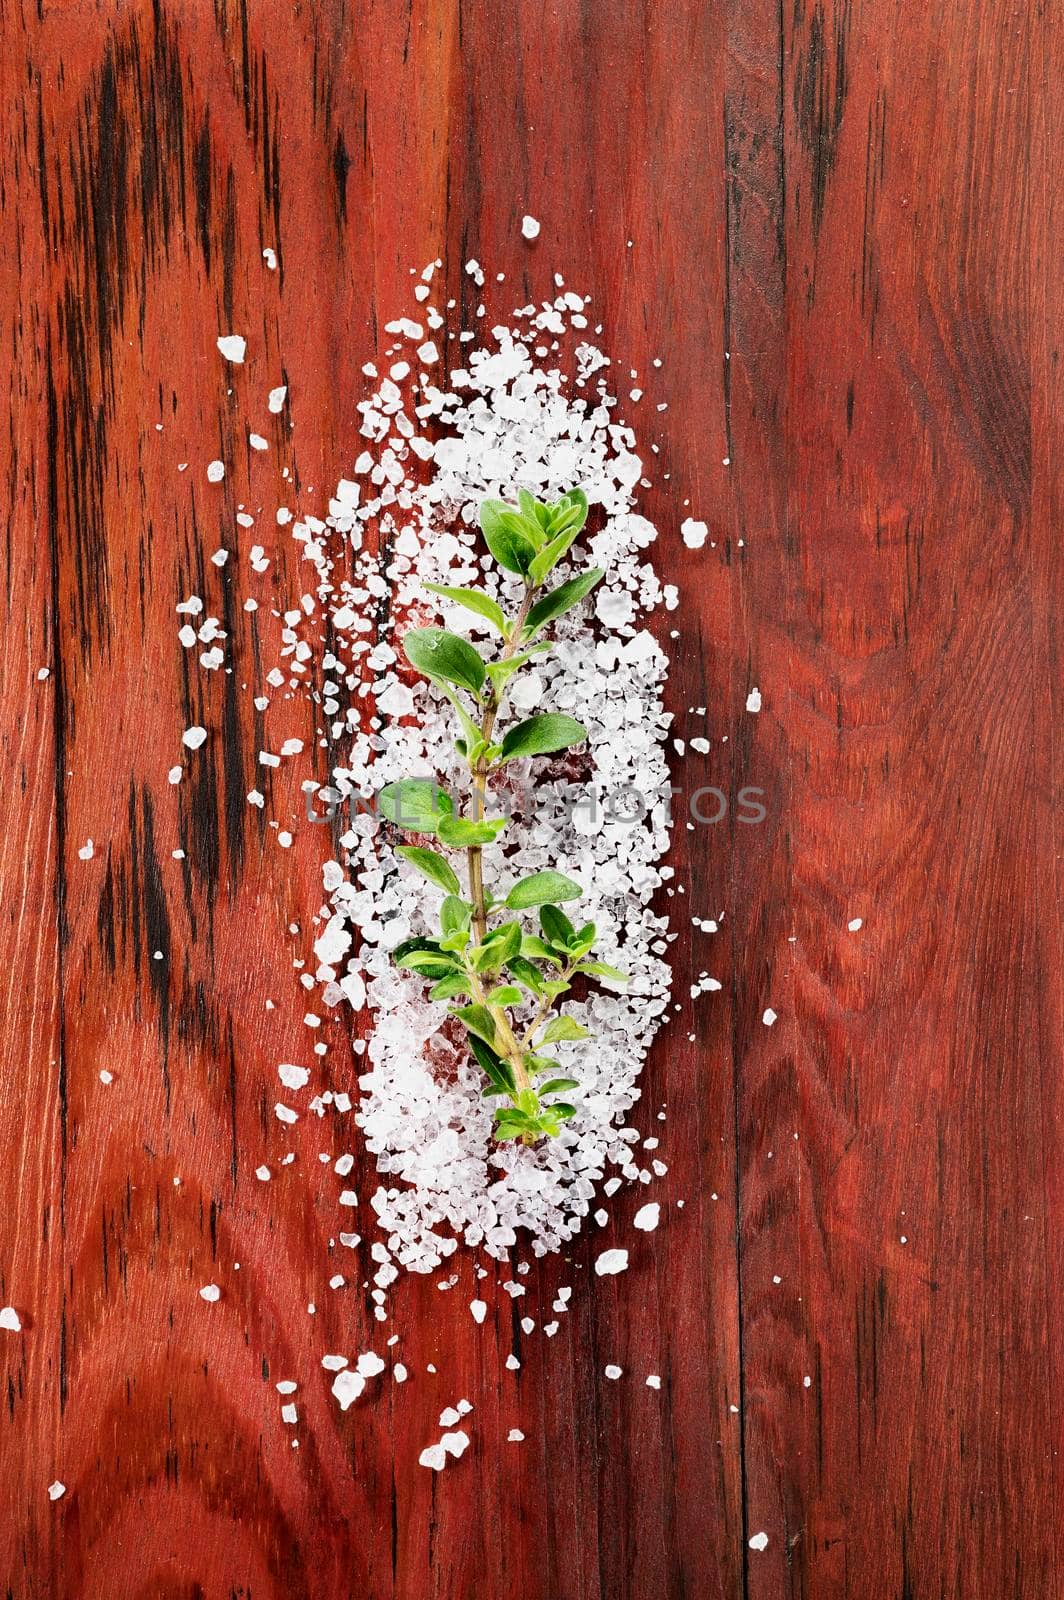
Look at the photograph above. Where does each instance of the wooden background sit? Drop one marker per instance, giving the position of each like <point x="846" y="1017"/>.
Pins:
<point x="858" y="199"/>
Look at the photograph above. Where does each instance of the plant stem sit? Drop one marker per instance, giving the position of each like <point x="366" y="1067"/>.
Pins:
<point x="475" y="854"/>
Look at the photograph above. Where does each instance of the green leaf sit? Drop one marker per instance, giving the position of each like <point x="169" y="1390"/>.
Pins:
<point x="562" y="1028"/>
<point x="533" y="949"/>
<point x="455" y="914"/>
<point x="601" y="969"/>
<point x="431" y="865"/>
<point x="556" y="1085"/>
<point x="507" y="994"/>
<point x="447" y="988"/>
<point x="497" y="1070"/>
<point x="541" y="889"/>
<point x="416" y="804"/>
<point x="566" y="522"/>
<point x="557" y="929"/>
<point x="539" y="736"/>
<point x="572" y="507"/>
<point x="439" y="654"/>
<point x="523" y="970"/>
<point x="478" y="1019"/>
<point x="460" y="832"/>
<point x="498" y="948"/>
<point x="432" y="963"/>
<point x="563" y="1109"/>
<point x="564" y="598"/>
<point x="474" y="600"/>
<point x="540" y="1064"/>
<point x="511" y="547"/>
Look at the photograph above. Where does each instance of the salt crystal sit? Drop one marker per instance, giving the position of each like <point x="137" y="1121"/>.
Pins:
<point x="653" y="1381"/>
<point x="611" y="1261"/>
<point x="347" y="1386"/>
<point x="759" y="1541"/>
<point x="529" y="227"/>
<point x="9" y="1319"/>
<point x="232" y="347"/>
<point x="215" y="471"/>
<point x="434" y="1456"/>
<point x="646" y="1218"/>
<point x="769" y="1017"/>
<point x="855" y="924"/>
<point x="193" y="737"/>
<point x="515" y="1436"/>
<point x="753" y="700"/>
<point x="86" y="850"/>
<point x="614" y="1371"/>
<point x="479" y="1309"/>
<point x="56" y="1490"/>
<point x="257" y="442"/>
<point x="694" y="534"/>
<point x="210" y="1292"/>
<point x="277" y="398"/>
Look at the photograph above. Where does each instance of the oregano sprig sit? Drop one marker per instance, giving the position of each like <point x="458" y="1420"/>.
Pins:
<point x="503" y="982"/>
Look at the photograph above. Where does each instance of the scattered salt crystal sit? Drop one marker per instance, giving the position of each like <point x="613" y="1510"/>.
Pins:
<point x="263" y="1174"/>
<point x="86" y="850"/>
<point x="647" y="1217"/>
<point x="9" y="1319"/>
<point x="399" y="1372"/>
<point x="769" y="1017"/>
<point x="257" y="442"/>
<point x="232" y="346"/>
<point x="653" y="1381"/>
<point x="512" y="1364"/>
<point x="270" y="258"/>
<point x="193" y="737"/>
<point x="42" y="673"/>
<point x="347" y="1386"/>
<point x="529" y="227"/>
<point x="614" y="1371"/>
<point x="289" y="1414"/>
<point x="105" y="1076"/>
<point x="369" y="1364"/>
<point x="277" y="398"/>
<point x="759" y="1541"/>
<point x="611" y="1261"/>
<point x="456" y="1443"/>
<point x="855" y="925"/>
<point x="174" y="775"/>
<point x="515" y="1436"/>
<point x="479" y="1309"/>
<point x="210" y="1292"/>
<point x="215" y="471"/>
<point x="753" y="700"/>
<point x="56" y="1490"/>
<point x="434" y="1456"/>
<point x="694" y="533"/>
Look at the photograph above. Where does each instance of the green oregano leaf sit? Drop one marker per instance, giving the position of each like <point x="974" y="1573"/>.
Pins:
<point x="564" y="598"/>
<point x="508" y="543"/>
<point x="461" y="832"/>
<point x="542" y="888"/>
<point x="539" y="736"/>
<point x="557" y="929"/>
<point x="478" y="1019"/>
<point x="431" y="865"/>
<point x="473" y="600"/>
<point x="417" y="804"/>
<point x="562" y="1028"/>
<point x="439" y="654"/>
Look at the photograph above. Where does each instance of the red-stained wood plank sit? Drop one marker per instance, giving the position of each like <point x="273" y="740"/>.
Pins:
<point x="842" y="231"/>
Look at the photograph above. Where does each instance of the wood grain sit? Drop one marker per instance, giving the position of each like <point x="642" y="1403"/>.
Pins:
<point x="844" y="223"/>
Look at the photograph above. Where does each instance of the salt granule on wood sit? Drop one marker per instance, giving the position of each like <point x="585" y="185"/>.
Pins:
<point x="232" y="346"/>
